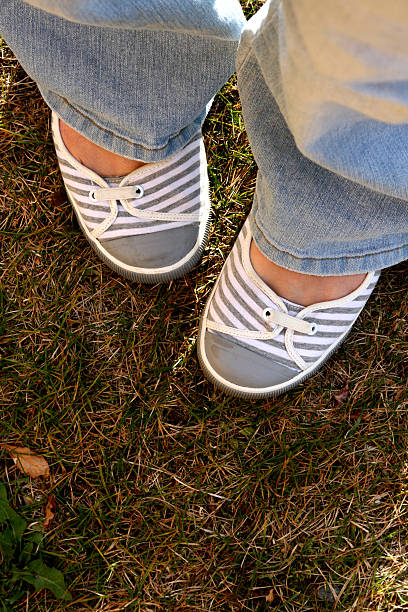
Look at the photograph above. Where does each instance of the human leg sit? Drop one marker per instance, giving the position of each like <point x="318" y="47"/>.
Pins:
<point x="330" y="200"/>
<point x="141" y="94"/>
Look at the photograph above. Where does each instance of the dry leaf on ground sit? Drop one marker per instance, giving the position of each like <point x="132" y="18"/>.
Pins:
<point x="58" y="197"/>
<point x="50" y="508"/>
<point x="342" y="395"/>
<point x="270" y="596"/>
<point x="28" y="462"/>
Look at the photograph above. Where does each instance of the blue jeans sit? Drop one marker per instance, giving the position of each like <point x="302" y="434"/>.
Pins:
<point x="324" y="97"/>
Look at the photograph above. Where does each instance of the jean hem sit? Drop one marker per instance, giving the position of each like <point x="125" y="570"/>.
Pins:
<point x="106" y="138"/>
<point x="339" y="265"/>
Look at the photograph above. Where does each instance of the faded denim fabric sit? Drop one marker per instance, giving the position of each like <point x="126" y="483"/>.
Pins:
<point x="140" y="92"/>
<point x="216" y="18"/>
<point x="324" y="93"/>
<point x="324" y="90"/>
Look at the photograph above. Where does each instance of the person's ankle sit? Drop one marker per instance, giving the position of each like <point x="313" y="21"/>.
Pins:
<point x="302" y="289"/>
<point x="94" y="157"/>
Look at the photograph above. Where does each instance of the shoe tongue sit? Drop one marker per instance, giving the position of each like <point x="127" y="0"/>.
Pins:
<point x="114" y="181"/>
<point x="293" y="309"/>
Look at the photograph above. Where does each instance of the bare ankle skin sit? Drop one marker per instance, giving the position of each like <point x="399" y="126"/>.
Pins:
<point x="302" y="289"/>
<point x="94" y="157"/>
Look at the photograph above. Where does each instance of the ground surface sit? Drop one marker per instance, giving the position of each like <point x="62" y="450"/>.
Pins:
<point x="170" y="495"/>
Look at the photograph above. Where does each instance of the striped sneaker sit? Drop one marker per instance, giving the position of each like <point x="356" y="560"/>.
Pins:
<point x="254" y="344"/>
<point x="149" y="226"/>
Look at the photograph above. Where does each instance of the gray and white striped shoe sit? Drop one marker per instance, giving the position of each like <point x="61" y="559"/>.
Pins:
<point x="151" y="225"/>
<point x="254" y="344"/>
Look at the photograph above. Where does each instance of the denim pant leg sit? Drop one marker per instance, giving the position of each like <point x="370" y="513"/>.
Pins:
<point x="135" y="77"/>
<point x="325" y="103"/>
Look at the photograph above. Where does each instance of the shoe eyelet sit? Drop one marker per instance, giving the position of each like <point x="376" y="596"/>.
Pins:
<point x="139" y="191"/>
<point x="266" y="313"/>
<point x="313" y="329"/>
<point x="92" y="195"/>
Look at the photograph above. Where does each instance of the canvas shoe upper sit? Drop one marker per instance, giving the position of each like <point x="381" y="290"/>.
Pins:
<point x="150" y="225"/>
<point x="252" y="343"/>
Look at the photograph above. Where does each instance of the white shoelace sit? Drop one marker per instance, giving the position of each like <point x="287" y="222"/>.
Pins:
<point x="281" y="319"/>
<point x="134" y="192"/>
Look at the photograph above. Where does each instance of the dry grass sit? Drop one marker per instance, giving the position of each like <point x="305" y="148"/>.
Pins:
<point x="171" y="496"/>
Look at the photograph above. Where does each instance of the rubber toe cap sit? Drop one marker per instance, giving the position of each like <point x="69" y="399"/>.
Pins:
<point x="155" y="250"/>
<point x="243" y="367"/>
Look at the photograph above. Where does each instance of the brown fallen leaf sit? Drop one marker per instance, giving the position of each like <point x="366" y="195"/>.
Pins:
<point x="270" y="596"/>
<point x="50" y="508"/>
<point x="58" y="197"/>
<point x="28" y="500"/>
<point x="28" y="462"/>
<point x="342" y="395"/>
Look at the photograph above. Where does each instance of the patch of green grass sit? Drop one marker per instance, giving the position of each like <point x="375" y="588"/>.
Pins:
<point x="170" y="495"/>
<point x="21" y="551"/>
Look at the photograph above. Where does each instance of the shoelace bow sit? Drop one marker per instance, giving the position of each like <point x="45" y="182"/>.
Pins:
<point x="136" y="192"/>
<point x="281" y="319"/>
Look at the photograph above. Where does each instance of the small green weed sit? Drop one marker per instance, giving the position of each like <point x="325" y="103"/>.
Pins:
<point x="21" y="560"/>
